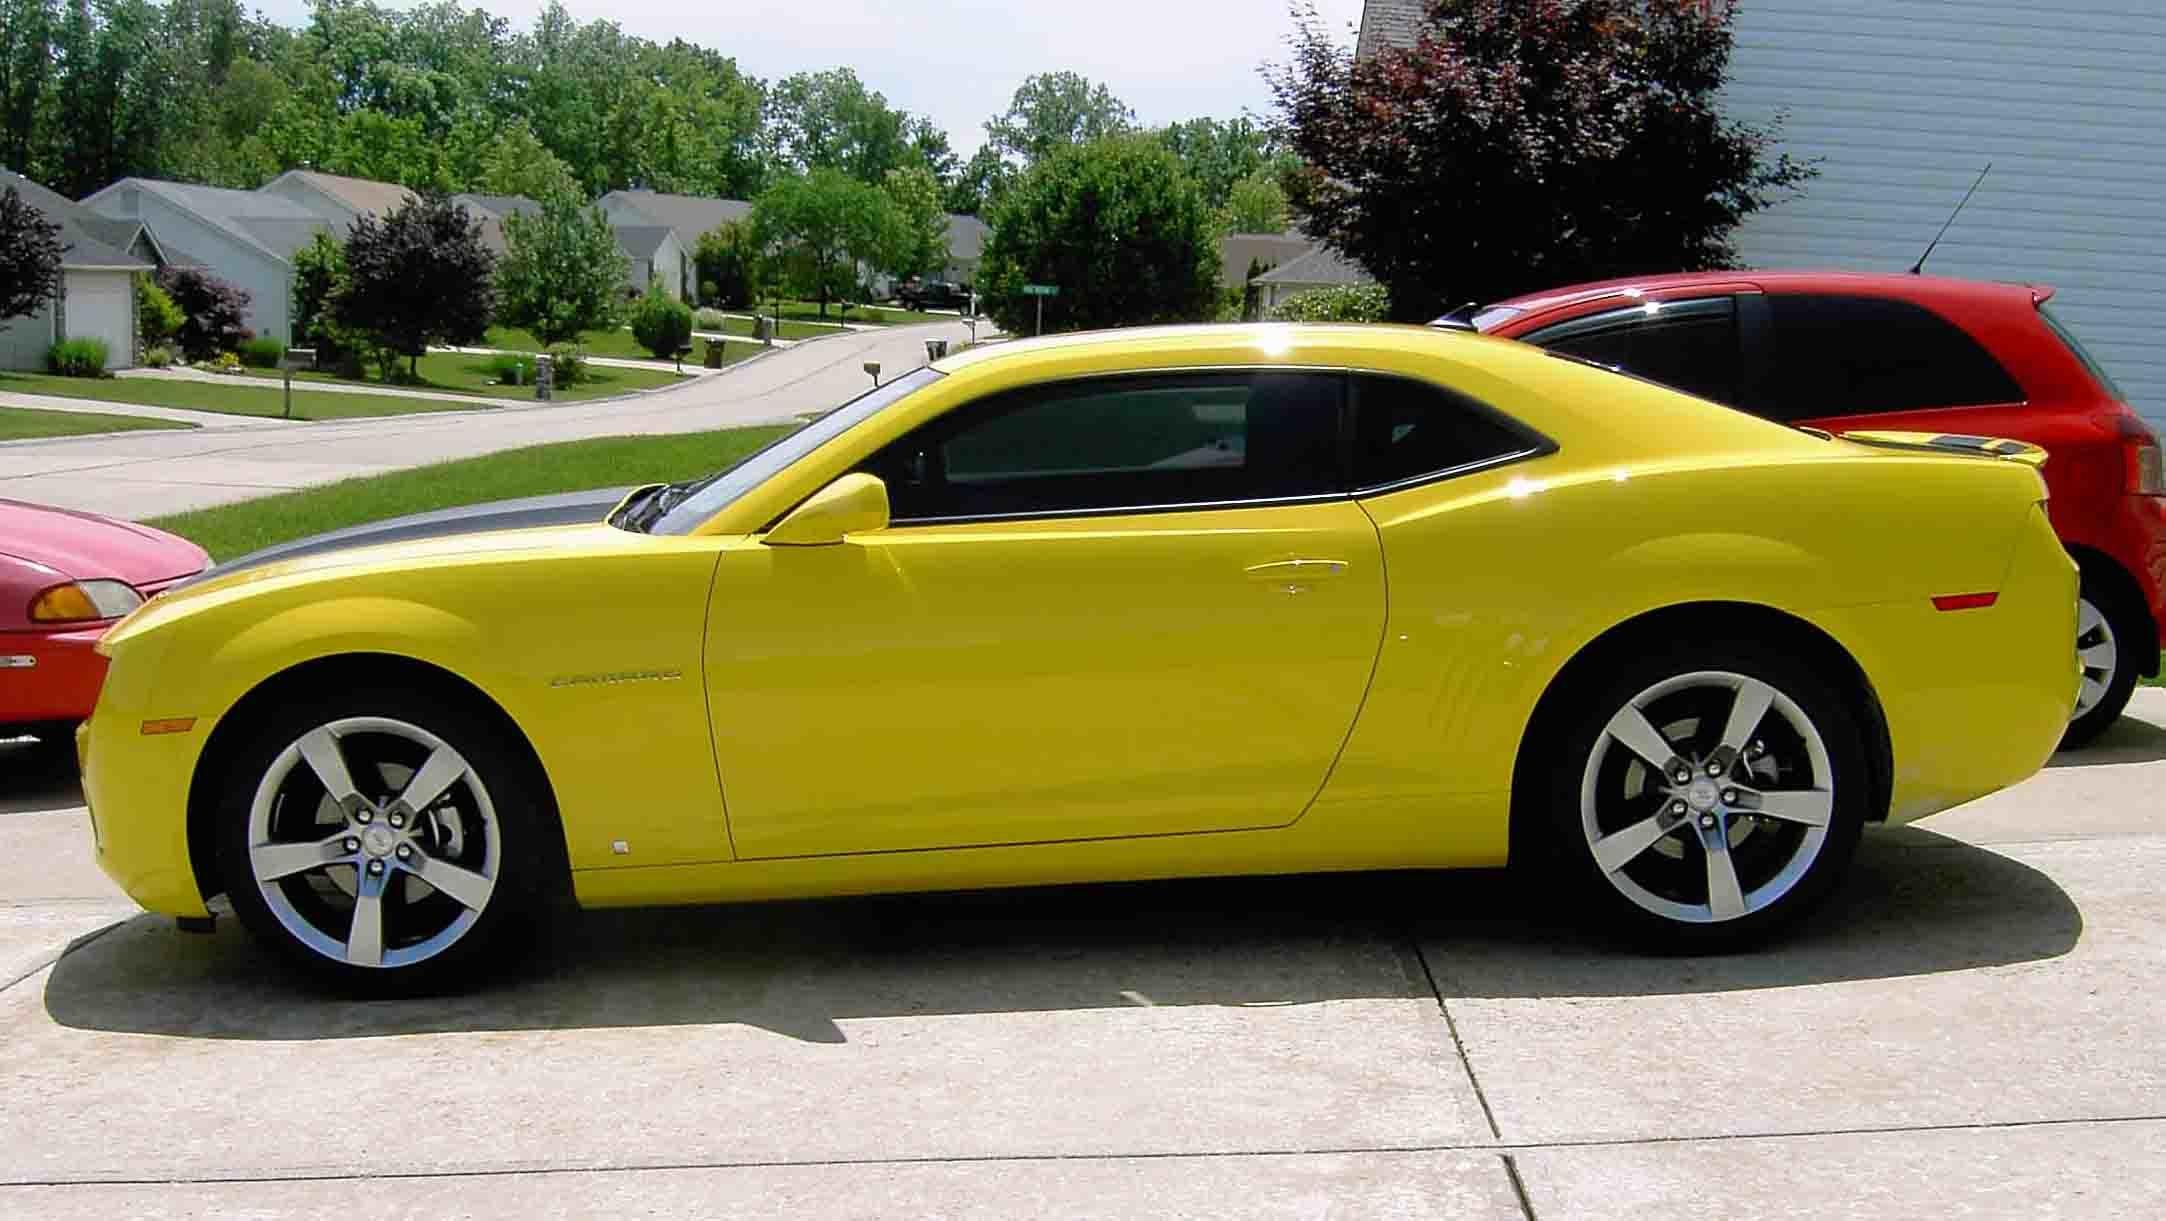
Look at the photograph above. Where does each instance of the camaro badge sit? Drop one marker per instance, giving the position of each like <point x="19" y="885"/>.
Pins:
<point x="620" y="676"/>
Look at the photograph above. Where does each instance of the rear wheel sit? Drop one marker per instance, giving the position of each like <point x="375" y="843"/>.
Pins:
<point x="1701" y="798"/>
<point x="2107" y="630"/>
<point x="383" y="842"/>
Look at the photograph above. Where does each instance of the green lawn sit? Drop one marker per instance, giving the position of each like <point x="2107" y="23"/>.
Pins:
<point x="460" y="373"/>
<point x="571" y="466"/>
<point x="886" y="315"/>
<point x="19" y="423"/>
<point x="618" y="345"/>
<point x="236" y="396"/>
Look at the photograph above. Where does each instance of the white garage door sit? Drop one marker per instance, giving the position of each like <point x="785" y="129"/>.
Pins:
<point x="23" y="341"/>
<point x="100" y="304"/>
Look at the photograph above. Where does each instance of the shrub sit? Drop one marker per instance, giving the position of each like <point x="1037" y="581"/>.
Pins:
<point x="661" y="323"/>
<point x="156" y="317"/>
<point x="157" y="357"/>
<point x="569" y="363"/>
<point x="262" y="353"/>
<point x="224" y="362"/>
<point x="83" y="357"/>
<point x="709" y="319"/>
<point x="1339" y="303"/>
<point x="708" y="291"/>
<point x="211" y="310"/>
<point x="512" y="369"/>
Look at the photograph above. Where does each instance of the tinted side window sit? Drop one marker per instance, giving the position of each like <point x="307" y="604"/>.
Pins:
<point x="1853" y="355"/>
<point x="1690" y="345"/>
<point x="1128" y="443"/>
<point x="1406" y="429"/>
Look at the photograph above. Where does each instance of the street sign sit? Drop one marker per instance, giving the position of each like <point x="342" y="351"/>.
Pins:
<point x="1041" y="290"/>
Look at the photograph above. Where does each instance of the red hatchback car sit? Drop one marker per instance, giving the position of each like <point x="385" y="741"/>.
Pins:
<point x="1838" y="350"/>
<point x="64" y="578"/>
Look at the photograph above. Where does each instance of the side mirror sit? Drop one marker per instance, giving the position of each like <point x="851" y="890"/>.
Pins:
<point x="852" y="504"/>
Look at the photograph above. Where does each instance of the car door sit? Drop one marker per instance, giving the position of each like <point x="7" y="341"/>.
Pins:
<point x="1110" y="607"/>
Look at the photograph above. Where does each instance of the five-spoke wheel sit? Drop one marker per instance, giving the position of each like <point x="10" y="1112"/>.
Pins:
<point x="1708" y="794"/>
<point x="373" y="844"/>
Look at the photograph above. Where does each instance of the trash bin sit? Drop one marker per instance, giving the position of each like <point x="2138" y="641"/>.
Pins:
<point x="714" y="353"/>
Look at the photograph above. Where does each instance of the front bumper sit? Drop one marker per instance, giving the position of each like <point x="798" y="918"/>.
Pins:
<point x="50" y="676"/>
<point x="136" y="786"/>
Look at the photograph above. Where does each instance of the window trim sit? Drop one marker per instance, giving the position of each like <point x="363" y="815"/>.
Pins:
<point x="1537" y="445"/>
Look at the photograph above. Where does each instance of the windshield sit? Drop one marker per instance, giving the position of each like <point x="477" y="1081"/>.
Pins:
<point x="2076" y="349"/>
<point x="718" y="491"/>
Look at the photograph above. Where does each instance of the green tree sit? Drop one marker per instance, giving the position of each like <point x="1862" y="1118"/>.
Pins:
<point x="1220" y="154"/>
<point x="26" y="77"/>
<point x="1117" y="226"/>
<point x="1055" y="109"/>
<point x="661" y="323"/>
<point x="820" y="226"/>
<point x="319" y="276"/>
<point x="518" y="163"/>
<point x="979" y="184"/>
<point x="562" y="273"/>
<point x="728" y="258"/>
<point x="1255" y="204"/>
<point x="417" y="276"/>
<point x="1581" y="141"/>
<point x="30" y="253"/>
<point x="918" y="232"/>
<point x="156" y="316"/>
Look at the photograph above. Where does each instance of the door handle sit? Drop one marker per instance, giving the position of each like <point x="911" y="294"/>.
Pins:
<point x="1281" y="569"/>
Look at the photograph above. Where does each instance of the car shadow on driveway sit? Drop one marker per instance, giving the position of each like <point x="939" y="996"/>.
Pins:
<point x="1917" y="903"/>
<point x="2128" y="740"/>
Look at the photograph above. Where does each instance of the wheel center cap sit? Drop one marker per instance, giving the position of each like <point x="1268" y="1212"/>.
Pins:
<point x="1703" y="794"/>
<point x="379" y="840"/>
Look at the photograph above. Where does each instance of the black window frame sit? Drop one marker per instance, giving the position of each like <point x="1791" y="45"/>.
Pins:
<point x="1635" y="316"/>
<point x="1534" y="443"/>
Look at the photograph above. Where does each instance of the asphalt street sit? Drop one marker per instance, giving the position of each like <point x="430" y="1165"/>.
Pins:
<point x="154" y="472"/>
<point x="1972" y="1030"/>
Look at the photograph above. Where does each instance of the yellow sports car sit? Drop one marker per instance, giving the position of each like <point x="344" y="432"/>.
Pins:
<point x="1151" y="603"/>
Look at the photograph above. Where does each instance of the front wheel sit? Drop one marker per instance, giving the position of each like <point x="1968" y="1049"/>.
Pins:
<point x="1702" y="798"/>
<point x="386" y="845"/>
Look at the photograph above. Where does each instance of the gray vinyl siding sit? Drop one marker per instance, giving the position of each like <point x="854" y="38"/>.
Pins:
<point x="1905" y="100"/>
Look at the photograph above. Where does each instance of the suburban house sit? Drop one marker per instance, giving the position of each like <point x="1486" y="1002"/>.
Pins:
<point x="246" y="238"/>
<point x="1244" y="256"/>
<point x="338" y="200"/>
<point x="686" y="217"/>
<point x="491" y="210"/>
<point x="1319" y="268"/>
<point x="97" y="283"/>
<point x="1902" y="102"/>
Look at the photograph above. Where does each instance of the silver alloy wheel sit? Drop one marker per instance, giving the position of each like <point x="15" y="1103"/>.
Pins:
<point x="373" y="842"/>
<point x="2098" y="653"/>
<point x="1707" y="797"/>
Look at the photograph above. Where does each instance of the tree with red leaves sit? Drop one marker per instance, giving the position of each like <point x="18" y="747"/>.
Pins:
<point x="1520" y="144"/>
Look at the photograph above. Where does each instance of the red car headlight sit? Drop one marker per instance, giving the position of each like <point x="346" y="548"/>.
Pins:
<point x="84" y="602"/>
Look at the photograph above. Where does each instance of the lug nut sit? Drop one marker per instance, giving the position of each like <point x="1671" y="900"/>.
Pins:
<point x="406" y="852"/>
<point x="363" y="817"/>
<point x="1729" y="797"/>
<point x="1683" y="774"/>
<point x="1677" y="807"/>
<point x="1714" y="768"/>
<point x="398" y="820"/>
<point x="376" y="866"/>
<point x="1707" y="821"/>
<point x="352" y="844"/>
<point x="1757" y="748"/>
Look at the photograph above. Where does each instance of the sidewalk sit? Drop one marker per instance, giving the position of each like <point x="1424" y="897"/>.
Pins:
<point x="266" y="385"/>
<point x="150" y="473"/>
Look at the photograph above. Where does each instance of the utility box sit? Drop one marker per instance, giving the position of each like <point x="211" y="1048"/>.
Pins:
<point x="545" y="376"/>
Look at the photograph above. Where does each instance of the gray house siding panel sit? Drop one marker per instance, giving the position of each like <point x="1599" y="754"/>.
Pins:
<point x="266" y="282"/>
<point x="1905" y="100"/>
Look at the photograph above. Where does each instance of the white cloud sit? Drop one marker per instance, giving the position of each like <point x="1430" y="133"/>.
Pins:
<point x="959" y="61"/>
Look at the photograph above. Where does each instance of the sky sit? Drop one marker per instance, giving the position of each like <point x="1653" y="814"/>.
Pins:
<point x="959" y="61"/>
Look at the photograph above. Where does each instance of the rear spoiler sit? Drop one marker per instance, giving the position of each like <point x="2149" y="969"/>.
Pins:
<point x="1953" y="443"/>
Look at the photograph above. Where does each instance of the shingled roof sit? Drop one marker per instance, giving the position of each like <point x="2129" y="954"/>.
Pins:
<point x="1390" y="23"/>
<point x="91" y="240"/>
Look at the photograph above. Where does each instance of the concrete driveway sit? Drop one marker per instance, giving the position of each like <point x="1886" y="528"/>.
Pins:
<point x="149" y="473"/>
<point x="1974" y="1030"/>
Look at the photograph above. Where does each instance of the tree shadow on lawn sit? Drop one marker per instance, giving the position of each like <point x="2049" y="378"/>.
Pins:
<point x="1916" y="903"/>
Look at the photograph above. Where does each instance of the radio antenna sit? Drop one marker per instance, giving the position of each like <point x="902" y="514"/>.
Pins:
<point x="1918" y="268"/>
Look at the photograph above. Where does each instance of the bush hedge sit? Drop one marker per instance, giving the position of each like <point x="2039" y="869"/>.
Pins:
<point x="567" y="363"/>
<point x="261" y="352"/>
<point x="82" y="357"/>
<point x="661" y="323"/>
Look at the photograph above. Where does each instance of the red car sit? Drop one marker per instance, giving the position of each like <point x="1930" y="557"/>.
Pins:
<point x="1838" y="350"/>
<point x="64" y="578"/>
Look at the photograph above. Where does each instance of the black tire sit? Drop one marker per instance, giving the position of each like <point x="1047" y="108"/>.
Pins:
<point x="528" y="869"/>
<point x="1551" y="827"/>
<point x="2129" y="626"/>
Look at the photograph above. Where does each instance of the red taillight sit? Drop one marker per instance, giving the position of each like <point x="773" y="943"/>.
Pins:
<point x="1955" y="602"/>
<point x="2146" y="469"/>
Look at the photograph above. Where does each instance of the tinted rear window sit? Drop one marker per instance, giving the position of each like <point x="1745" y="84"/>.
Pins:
<point x="1837" y="355"/>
